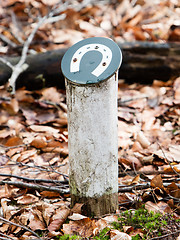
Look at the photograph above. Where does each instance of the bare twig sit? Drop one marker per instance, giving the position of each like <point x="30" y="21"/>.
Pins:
<point x="16" y="28"/>
<point x="140" y="186"/>
<point x="21" y="226"/>
<point x="21" y="66"/>
<point x="132" y="173"/>
<point x="59" y="105"/>
<point x="5" y="236"/>
<point x="3" y="60"/>
<point x="33" y="179"/>
<point x="34" y="186"/>
<point x="166" y="235"/>
<point x="125" y="188"/>
<point x="123" y="103"/>
<point x="6" y="40"/>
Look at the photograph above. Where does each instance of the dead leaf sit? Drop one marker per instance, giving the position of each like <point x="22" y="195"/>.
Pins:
<point x="3" y="159"/>
<point x="55" y="225"/>
<point x="142" y="139"/>
<point x="128" y="229"/>
<point x="164" y="207"/>
<point x="47" y="129"/>
<point x="29" y="115"/>
<point x="27" y="199"/>
<point x="47" y="210"/>
<point x="39" y="142"/>
<point x="6" y="133"/>
<point x="137" y="146"/>
<point x="84" y="227"/>
<point x="77" y="208"/>
<point x="117" y="235"/>
<point x="36" y="223"/>
<point x="173" y="190"/>
<point x="51" y="94"/>
<point x="58" y="219"/>
<point x="14" y="141"/>
<point x="48" y="194"/>
<point x="175" y="152"/>
<point x="51" y="3"/>
<point x="77" y="216"/>
<point x="161" y="207"/>
<point x="157" y="182"/>
<point x="26" y="154"/>
<point x="136" y="179"/>
<point x="100" y="225"/>
<point x="12" y="107"/>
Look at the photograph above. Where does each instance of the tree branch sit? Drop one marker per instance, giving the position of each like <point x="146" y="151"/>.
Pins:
<point x="166" y="235"/>
<point x="3" y="60"/>
<point x="32" y="179"/>
<point x="21" y="226"/>
<point x="4" y="236"/>
<point x="140" y="186"/>
<point x="21" y="66"/>
<point x="35" y="187"/>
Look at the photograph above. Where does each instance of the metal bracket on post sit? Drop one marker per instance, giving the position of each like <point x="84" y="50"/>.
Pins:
<point x="90" y="69"/>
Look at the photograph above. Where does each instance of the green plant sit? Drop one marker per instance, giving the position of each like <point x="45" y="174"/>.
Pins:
<point x="148" y="222"/>
<point x="68" y="237"/>
<point x="137" y="237"/>
<point x="103" y="234"/>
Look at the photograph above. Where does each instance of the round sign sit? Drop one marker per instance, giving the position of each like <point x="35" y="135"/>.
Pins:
<point x="91" y="60"/>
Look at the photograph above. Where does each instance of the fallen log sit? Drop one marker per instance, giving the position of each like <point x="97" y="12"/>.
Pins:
<point x="142" y="62"/>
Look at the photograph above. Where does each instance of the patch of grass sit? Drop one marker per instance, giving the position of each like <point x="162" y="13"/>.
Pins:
<point x="148" y="222"/>
<point x="103" y="234"/>
<point x="68" y="237"/>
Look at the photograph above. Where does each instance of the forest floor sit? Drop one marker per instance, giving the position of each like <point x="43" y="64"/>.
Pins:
<point x="34" y="191"/>
<point x="34" y="158"/>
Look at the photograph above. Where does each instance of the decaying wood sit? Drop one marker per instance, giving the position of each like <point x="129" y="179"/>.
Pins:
<point x="142" y="62"/>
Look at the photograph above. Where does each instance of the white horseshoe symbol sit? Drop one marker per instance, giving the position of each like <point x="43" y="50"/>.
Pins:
<point x="103" y="65"/>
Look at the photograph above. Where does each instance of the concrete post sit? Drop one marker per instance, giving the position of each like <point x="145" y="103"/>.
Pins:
<point x="91" y="89"/>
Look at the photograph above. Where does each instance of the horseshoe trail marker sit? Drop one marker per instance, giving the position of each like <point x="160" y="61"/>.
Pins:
<point x="90" y="68"/>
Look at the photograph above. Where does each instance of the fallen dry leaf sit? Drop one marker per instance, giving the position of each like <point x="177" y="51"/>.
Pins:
<point x="39" y="142"/>
<point x="142" y="139"/>
<point x="26" y="155"/>
<point x="161" y="207"/>
<point x="77" y="216"/>
<point x="36" y="223"/>
<point x="14" y="141"/>
<point x="84" y="227"/>
<point x="173" y="190"/>
<point x="12" y="107"/>
<point x="40" y="128"/>
<point x="157" y="182"/>
<point x="136" y="179"/>
<point x="117" y="235"/>
<point x="27" y="199"/>
<point x="58" y="219"/>
<point x="77" y="208"/>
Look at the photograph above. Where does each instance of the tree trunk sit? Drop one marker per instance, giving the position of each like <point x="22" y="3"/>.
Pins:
<point x="93" y="145"/>
<point x="142" y="62"/>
